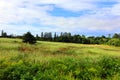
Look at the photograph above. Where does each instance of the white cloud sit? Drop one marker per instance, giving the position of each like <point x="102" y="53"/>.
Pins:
<point x="116" y="9"/>
<point x="20" y="15"/>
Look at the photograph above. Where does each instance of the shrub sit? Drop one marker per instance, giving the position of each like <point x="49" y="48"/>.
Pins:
<point x="114" y="42"/>
<point x="29" y="38"/>
<point x="105" y="68"/>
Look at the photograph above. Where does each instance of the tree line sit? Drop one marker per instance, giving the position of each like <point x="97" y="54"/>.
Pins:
<point x="68" y="38"/>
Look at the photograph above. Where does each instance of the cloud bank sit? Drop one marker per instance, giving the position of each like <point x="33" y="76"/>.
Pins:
<point x="19" y="16"/>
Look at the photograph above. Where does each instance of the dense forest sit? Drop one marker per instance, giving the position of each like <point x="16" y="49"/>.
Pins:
<point x="69" y="38"/>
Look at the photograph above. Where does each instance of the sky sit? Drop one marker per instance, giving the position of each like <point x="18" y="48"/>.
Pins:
<point x="89" y="17"/>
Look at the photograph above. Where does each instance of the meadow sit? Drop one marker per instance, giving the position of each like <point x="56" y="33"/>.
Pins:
<point x="58" y="61"/>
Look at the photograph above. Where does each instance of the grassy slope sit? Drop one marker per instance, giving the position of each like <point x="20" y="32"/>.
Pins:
<point x="12" y="51"/>
<point x="46" y="50"/>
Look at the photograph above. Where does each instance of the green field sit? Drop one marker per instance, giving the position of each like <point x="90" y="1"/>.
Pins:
<point x="58" y="61"/>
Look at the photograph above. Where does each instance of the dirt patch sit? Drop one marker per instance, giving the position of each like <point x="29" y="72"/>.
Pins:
<point x="27" y="49"/>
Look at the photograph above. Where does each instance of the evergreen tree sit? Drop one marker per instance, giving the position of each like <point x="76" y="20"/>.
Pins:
<point x="3" y="34"/>
<point x="55" y="36"/>
<point x="29" y="38"/>
<point x="37" y="37"/>
<point x="116" y="35"/>
<point x="42" y="36"/>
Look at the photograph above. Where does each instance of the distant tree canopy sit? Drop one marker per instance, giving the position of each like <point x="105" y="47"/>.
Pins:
<point x="114" y="42"/>
<point x="3" y="34"/>
<point x="116" y="35"/>
<point x="29" y="38"/>
<point x="82" y="39"/>
<point x="67" y="37"/>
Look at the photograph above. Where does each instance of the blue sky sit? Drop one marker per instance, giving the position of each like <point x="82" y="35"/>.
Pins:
<point x="89" y="17"/>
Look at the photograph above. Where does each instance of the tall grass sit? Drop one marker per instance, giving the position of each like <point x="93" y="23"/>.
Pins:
<point x="57" y="61"/>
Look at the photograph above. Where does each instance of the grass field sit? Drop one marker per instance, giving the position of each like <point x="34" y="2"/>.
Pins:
<point x="58" y="61"/>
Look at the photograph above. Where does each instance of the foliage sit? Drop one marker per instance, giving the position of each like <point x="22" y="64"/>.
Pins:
<point x="3" y="34"/>
<point x="114" y="42"/>
<point x="57" y="61"/>
<point x="69" y="68"/>
<point x="65" y="37"/>
<point x="116" y="35"/>
<point x="29" y="38"/>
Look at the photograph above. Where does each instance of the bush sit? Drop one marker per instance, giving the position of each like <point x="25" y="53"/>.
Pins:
<point x="114" y="42"/>
<point x="103" y="68"/>
<point x="29" y="38"/>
